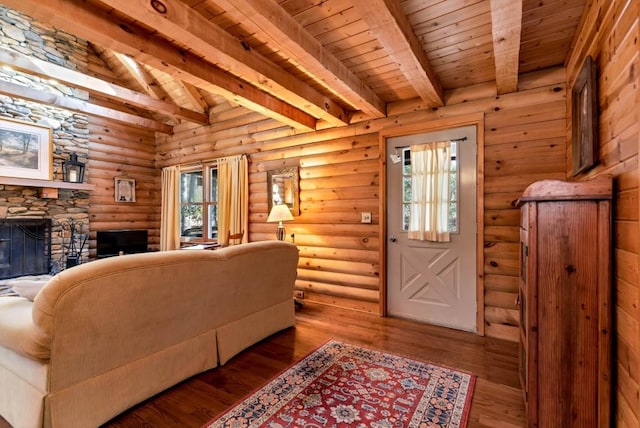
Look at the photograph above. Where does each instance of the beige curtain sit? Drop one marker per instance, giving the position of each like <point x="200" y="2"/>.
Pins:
<point x="233" y="197"/>
<point x="169" y="219"/>
<point x="429" y="214"/>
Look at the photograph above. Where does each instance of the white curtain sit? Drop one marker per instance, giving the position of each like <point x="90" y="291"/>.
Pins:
<point x="169" y="219"/>
<point x="429" y="213"/>
<point x="233" y="197"/>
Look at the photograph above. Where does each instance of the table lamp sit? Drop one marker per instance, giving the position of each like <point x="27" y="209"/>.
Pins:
<point x="280" y="213"/>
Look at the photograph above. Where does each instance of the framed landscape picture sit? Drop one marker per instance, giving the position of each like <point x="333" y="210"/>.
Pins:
<point x="26" y="150"/>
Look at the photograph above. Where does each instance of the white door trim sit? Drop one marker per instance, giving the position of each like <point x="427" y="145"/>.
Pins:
<point x="435" y="125"/>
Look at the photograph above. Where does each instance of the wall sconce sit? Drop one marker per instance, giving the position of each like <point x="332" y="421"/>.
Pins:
<point x="73" y="170"/>
<point x="279" y="213"/>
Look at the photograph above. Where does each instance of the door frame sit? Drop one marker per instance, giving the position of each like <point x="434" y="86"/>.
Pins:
<point x="476" y="119"/>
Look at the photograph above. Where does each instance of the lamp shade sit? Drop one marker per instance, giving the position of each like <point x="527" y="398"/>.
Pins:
<point x="279" y="213"/>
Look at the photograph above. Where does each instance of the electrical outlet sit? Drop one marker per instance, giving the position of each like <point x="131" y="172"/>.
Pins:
<point x="299" y="294"/>
<point x="366" y="218"/>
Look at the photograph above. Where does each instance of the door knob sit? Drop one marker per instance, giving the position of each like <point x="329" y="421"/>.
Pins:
<point x="392" y="238"/>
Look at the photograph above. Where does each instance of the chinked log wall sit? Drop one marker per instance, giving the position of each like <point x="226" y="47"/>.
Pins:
<point x="610" y="33"/>
<point x="339" y="178"/>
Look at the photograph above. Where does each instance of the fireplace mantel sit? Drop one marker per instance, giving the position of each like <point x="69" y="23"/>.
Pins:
<point x="46" y="183"/>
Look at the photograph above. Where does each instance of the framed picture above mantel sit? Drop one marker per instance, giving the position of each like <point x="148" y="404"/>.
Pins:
<point x="26" y="150"/>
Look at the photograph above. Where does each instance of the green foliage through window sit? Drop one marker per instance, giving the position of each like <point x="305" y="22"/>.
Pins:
<point x="199" y="203"/>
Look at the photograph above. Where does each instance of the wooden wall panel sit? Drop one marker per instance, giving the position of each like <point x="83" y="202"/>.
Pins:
<point x="523" y="143"/>
<point x="339" y="178"/>
<point x="118" y="150"/>
<point x="610" y="34"/>
<point x="339" y="256"/>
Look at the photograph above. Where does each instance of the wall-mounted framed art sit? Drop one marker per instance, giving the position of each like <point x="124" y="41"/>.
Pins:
<point x="125" y="189"/>
<point x="282" y="188"/>
<point x="584" y="118"/>
<point x="26" y="150"/>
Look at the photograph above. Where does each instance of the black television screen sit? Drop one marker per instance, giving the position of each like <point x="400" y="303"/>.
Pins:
<point x="113" y="242"/>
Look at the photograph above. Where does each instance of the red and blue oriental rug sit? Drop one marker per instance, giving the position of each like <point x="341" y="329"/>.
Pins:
<point x="341" y="385"/>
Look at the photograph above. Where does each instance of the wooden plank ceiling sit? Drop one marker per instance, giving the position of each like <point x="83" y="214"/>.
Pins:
<point x="309" y="64"/>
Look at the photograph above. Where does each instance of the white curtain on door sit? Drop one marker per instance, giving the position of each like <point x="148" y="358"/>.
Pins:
<point x="429" y="209"/>
<point x="169" y="219"/>
<point x="233" y="197"/>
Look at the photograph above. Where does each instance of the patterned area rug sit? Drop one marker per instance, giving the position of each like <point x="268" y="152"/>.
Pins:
<point x="341" y="385"/>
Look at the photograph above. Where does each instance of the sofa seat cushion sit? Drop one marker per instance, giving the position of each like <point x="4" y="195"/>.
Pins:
<point x="31" y="371"/>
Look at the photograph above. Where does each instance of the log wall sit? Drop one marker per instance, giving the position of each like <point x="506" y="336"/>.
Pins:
<point x="340" y="177"/>
<point x="610" y="34"/>
<point x="118" y="150"/>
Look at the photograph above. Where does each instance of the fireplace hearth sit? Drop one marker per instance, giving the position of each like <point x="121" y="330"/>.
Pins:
<point x="25" y="247"/>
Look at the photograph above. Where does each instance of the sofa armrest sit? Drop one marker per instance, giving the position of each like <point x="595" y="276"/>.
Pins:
<point x="17" y="330"/>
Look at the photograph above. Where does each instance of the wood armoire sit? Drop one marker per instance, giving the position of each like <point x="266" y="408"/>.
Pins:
<point x="565" y="303"/>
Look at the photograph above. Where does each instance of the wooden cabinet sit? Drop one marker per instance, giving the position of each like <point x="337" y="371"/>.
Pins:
<point x="565" y="298"/>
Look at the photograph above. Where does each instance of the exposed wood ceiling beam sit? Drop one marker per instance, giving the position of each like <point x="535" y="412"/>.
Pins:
<point x="115" y="105"/>
<point x="178" y="22"/>
<point x="126" y="70"/>
<point x="392" y="28"/>
<point x="78" y="18"/>
<point x="140" y="75"/>
<point x="285" y="33"/>
<point x="35" y="66"/>
<point x="181" y="93"/>
<point x="79" y="106"/>
<point x="194" y="96"/>
<point x="506" y="28"/>
<point x="160" y="87"/>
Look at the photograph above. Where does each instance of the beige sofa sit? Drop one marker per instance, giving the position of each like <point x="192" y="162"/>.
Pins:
<point x="105" y="335"/>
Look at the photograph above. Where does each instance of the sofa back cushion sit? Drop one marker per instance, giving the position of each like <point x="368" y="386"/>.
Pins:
<point x="106" y="313"/>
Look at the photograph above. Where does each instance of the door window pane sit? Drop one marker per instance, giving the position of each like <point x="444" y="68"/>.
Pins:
<point x="406" y="188"/>
<point x="406" y="216"/>
<point x="453" y="189"/>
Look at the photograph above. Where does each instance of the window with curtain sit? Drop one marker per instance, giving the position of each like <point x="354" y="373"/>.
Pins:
<point x="430" y="191"/>
<point x="199" y="203"/>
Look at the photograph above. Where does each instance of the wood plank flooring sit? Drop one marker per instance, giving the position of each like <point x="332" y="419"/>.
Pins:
<point x="497" y="400"/>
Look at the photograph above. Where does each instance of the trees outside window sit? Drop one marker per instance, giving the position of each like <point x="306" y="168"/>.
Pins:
<point x="199" y="203"/>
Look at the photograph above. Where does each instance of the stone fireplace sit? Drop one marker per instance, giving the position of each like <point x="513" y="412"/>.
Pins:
<point x="25" y="247"/>
<point x="24" y="204"/>
<point x="70" y="133"/>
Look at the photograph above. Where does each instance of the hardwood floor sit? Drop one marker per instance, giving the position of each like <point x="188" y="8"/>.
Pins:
<point x="497" y="399"/>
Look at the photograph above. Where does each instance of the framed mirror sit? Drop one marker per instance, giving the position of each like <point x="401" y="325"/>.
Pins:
<point x="282" y="188"/>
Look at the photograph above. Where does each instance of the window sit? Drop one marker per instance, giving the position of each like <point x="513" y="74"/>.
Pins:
<point x="453" y="188"/>
<point x="199" y="203"/>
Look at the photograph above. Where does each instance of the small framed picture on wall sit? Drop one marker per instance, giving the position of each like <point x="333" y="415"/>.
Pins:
<point x="125" y="189"/>
<point x="584" y="118"/>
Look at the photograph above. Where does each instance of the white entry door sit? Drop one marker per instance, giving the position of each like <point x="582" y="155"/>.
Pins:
<point x="433" y="282"/>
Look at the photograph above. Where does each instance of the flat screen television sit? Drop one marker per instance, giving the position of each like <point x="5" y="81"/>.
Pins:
<point x="111" y="242"/>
